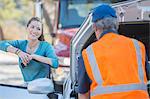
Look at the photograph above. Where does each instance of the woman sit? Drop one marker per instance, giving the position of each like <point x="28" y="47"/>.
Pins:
<point x="34" y="54"/>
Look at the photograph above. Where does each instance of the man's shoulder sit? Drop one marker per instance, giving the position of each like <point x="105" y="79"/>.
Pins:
<point x="141" y="44"/>
<point x="131" y="39"/>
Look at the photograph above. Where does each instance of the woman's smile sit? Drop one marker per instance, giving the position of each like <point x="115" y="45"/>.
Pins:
<point x="34" y="30"/>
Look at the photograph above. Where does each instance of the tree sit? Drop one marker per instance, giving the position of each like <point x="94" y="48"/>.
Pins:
<point x="13" y="10"/>
<point x="48" y="14"/>
<point x="1" y="33"/>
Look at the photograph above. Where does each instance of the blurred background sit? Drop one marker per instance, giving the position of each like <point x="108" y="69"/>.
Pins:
<point x="14" y="15"/>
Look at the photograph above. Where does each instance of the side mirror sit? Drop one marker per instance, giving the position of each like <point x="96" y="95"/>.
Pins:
<point x="41" y="86"/>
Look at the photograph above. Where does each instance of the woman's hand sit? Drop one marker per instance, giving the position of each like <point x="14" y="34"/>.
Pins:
<point x="25" y="57"/>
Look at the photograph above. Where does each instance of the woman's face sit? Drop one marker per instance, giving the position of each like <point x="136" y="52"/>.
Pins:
<point x="35" y="30"/>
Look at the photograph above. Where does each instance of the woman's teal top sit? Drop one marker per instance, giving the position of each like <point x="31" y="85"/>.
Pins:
<point x="34" y="69"/>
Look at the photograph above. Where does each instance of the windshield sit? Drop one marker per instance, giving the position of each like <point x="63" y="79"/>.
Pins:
<point x="73" y="12"/>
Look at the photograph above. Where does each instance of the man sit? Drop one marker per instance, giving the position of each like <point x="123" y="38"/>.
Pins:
<point x="115" y="64"/>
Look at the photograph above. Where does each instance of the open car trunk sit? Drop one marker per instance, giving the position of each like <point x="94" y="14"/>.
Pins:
<point x="139" y="30"/>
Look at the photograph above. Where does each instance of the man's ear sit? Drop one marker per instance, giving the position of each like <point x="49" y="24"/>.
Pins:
<point x="94" y="27"/>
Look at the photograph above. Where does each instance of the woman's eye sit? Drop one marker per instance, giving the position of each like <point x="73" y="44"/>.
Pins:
<point x="38" y="29"/>
<point x="32" y="26"/>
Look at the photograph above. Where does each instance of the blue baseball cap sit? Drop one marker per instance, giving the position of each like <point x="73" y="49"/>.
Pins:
<point x="103" y="11"/>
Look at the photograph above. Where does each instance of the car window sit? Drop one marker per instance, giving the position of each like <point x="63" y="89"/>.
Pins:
<point x="71" y="14"/>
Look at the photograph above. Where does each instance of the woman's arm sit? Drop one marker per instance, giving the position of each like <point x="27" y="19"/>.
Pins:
<point x="24" y="56"/>
<point x="49" y="56"/>
<point x="11" y="44"/>
<point x="13" y="47"/>
<point x="50" y="61"/>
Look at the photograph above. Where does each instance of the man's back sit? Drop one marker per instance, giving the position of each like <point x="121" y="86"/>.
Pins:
<point x="117" y="62"/>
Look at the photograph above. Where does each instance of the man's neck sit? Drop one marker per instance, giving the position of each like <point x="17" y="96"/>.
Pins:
<point x="106" y="32"/>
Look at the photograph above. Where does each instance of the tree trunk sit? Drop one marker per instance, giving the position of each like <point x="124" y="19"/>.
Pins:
<point x="48" y="20"/>
<point x="49" y="24"/>
<point x="1" y="34"/>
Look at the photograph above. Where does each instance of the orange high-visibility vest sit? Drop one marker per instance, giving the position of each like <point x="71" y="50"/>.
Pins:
<point x="116" y="66"/>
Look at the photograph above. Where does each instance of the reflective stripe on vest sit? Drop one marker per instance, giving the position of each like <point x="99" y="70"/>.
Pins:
<point x="139" y="60"/>
<point x="116" y="88"/>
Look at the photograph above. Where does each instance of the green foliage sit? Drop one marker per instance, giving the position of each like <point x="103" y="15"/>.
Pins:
<point x="14" y="10"/>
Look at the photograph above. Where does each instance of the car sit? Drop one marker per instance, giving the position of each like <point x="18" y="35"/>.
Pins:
<point x="134" y="27"/>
